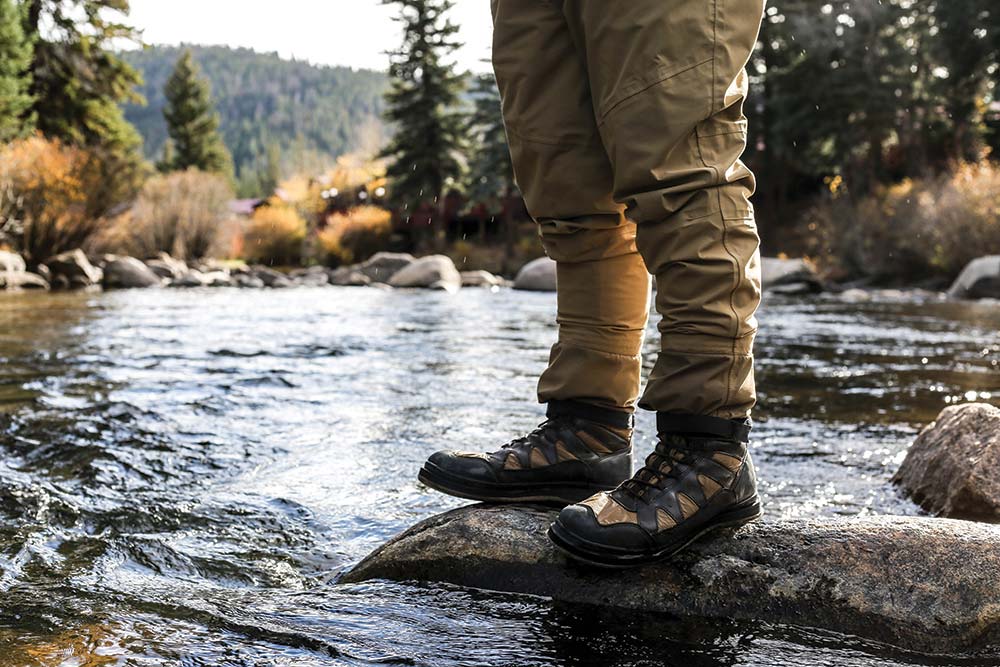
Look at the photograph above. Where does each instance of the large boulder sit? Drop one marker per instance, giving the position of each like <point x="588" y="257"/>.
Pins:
<point x="953" y="467"/>
<point x="480" y="279"/>
<point x="270" y="277"/>
<point x="789" y="276"/>
<point x="382" y="266"/>
<point x="22" y="280"/>
<point x="348" y="276"/>
<point x="433" y="271"/>
<point x="128" y="272"/>
<point x="538" y="275"/>
<point x="72" y="269"/>
<point x="11" y="262"/>
<point x="980" y="279"/>
<point x="314" y="276"/>
<point x="921" y="583"/>
<point x="167" y="267"/>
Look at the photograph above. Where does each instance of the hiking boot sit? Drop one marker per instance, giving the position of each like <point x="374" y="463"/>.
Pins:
<point x="579" y="450"/>
<point x="699" y="478"/>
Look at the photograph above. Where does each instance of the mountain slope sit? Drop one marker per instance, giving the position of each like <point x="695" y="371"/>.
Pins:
<point x="266" y="104"/>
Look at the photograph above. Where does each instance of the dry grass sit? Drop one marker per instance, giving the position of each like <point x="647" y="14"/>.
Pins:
<point x="356" y="235"/>
<point x="276" y="235"/>
<point x="913" y="231"/>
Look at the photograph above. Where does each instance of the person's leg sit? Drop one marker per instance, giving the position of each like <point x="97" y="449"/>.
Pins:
<point x="565" y="176"/>
<point x="668" y="83"/>
<point x="563" y="171"/>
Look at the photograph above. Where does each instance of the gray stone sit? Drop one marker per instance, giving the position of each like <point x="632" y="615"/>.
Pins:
<point x="166" y="266"/>
<point x="11" y="262"/>
<point x="22" y="280"/>
<point x="776" y="271"/>
<point x="382" y="266"/>
<point x="72" y="269"/>
<point x="348" y="276"/>
<point x="248" y="281"/>
<point x="980" y="279"/>
<point x="480" y="279"/>
<point x="538" y="275"/>
<point x="270" y="277"/>
<point x="953" y="467"/>
<point x="192" y="278"/>
<point x="921" y="583"/>
<point x="314" y="276"/>
<point x="129" y="272"/>
<point x="433" y="271"/>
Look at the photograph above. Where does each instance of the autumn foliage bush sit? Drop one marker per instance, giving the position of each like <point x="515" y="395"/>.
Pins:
<point x="276" y="235"/>
<point x="356" y="235"/>
<point x="51" y="197"/>
<point x="915" y="230"/>
<point x="180" y="213"/>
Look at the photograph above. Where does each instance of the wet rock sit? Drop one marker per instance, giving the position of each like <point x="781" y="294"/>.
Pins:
<point x="11" y="262"/>
<point x="247" y="281"/>
<point x="953" y="467"/>
<point x="432" y="271"/>
<point x="314" y="276"/>
<point x="128" y="272"/>
<point x="777" y="272"/>
<point x="382" y="266"/>
<point x="980" y="279"/>
<point x="348" y="276"/>
<point x="166" y="266"/>
<point x="22" y="280"/>
<point x="855" y="295"/>
<point x="538" y="275"/>
<point x="72" y="269"/>
<point x="921" y="583"/>
<point x="480" y="279"/>
<point x="192" y="278"/>
<point x="270" y="277"/>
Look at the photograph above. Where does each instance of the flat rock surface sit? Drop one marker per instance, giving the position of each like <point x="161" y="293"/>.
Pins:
<point x="924" y="584"/>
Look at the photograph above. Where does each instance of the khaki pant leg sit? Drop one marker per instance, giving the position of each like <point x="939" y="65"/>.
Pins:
<point x="565" y="176"/>
<point x="668" y="83"/>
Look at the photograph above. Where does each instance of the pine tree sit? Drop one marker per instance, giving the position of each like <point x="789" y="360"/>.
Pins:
<point x="192" y="123"/>
<point x="423" y="106"/>
<point x="78" y="81"/>
<point x="15" y="78"/>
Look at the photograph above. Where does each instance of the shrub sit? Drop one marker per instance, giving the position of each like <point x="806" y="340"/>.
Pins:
<point x="180" y="214"/>
<point x="356" y="235"/>
<point x="276" y="235"/>
<point x="914" y="230"/>
<point x="47" y="195"/>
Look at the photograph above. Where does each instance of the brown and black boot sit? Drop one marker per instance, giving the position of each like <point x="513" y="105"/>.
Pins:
<point x="579" y="450"/>
<point x="699" y="478"/>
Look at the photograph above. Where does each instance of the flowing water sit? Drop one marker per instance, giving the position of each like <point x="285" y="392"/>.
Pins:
<point x="184" y="474"/>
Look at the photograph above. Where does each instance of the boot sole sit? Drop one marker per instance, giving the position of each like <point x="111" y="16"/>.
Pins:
<point x="558" y="494"/>
<point x="592" y="554"/>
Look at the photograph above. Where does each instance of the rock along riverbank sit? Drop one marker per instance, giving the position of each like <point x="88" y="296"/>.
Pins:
<point x="923" y="584"/>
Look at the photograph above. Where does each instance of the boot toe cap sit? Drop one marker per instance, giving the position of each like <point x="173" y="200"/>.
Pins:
<point x="580" y="523"/>
<point x="466" y="466"/>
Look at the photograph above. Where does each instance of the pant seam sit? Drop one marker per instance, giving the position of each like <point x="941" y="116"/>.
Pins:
<point x="604" y="115"/>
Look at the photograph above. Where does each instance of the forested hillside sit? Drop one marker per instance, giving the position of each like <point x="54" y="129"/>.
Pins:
<point x="270" y="108"/>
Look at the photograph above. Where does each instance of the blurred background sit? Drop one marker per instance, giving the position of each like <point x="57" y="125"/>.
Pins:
<point x="873" y="134"/>
<point x="185" y="472"/>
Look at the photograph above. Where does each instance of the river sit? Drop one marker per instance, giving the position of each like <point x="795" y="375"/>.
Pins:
<point x="184" y="474"/>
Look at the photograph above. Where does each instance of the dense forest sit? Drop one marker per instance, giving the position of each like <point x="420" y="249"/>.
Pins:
<point x="268" y="106"/>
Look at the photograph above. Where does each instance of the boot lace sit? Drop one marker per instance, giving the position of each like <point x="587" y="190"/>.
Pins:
<point x="668" y="461"/>
<point x="539" y="436"/>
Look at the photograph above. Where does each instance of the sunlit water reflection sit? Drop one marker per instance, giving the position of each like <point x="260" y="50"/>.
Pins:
<point x="183" y="474"/>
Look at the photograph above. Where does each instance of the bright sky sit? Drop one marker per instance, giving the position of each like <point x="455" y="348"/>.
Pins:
<point x="329" y="32"/>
